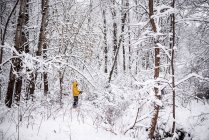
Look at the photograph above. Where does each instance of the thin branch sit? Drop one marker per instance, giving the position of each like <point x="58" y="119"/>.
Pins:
<point x="134" y="122"/>
<point x="5" y="29"/>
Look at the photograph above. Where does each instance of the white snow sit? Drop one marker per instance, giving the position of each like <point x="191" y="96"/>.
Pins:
<point x="64" y="124"/>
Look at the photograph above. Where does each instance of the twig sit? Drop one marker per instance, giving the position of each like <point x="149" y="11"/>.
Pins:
<point x="134" y="122"/>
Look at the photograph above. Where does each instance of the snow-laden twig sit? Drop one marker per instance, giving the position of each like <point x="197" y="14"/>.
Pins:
<point x="192" y="19"/>
<point x="76" y="57"/>
<point x="72" y="67"/>
<point x="163" y="10"/>
<point x="9" y="59"/>
<point x="164" y="49"/>
<point x="190" y="76"/>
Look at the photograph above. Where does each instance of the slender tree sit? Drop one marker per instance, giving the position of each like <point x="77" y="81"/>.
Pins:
<point x="115" y="30"/>
<point x="124" y="10"/>
<point x="156" y="70"/>
<point x="123" y="40"/>
<point x="129" y="37"/>
<point x="105" y="36"/>
<point x="118" y="48"/>
<point x="172" y="67"/>
<point x="42" y="46"/>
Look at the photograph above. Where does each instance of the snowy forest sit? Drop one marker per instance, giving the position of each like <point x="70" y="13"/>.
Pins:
<point x="141" y="69"/>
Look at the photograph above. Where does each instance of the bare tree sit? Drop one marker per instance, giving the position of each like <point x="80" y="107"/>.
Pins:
<point x="115" y="30"/>
<point x="3" y="34"/>
<point x="156" y="70"/>
<point x="129" y="37"/>
<point x="15" y="80"/>
<point x="42" y="46"/>
<point x="124" y="10"/>
<point x="118" y="48"/>
<point x="172" y="67"/>
<point x="105" y="36"/>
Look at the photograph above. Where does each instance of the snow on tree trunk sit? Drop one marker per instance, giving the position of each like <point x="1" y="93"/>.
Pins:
<point x="105" y="38"/>
<point x="172" y="68"/>
<point x="15" y="79"/>
<point x="156" y="71"/>
<point x="42" y="46"/>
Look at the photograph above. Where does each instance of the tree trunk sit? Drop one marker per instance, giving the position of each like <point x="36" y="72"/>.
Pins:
<point x="3" y="34"/>
<point x="43" y="27"/>
<point x="46" y="87"/>
<point x="105" y="38"/>
<point x="61" y="77"/>
<point x="147" y="60"/>
<point x="16" y="80"/>
<point x="117" y="50"/>
<point x="42" y="46"/>
<point x="172" y="68"/>
<point x="122" y="30"/>
<point x="61" y="83"/>
<point x="129" y="38"/>
<point x="10" y="88"/>
<point x="115" y="41"/>
<point x="156" y="72"/>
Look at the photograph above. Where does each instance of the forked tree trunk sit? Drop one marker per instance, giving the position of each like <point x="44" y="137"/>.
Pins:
<point x="118" y="48"/>
<point x="156" y="72"/>
<point x="15" y="81"/>
<point x="3" y="35"/>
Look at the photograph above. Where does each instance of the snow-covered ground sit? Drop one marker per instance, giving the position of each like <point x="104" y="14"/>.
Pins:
<point x="52" y="124"/>
<point x="47" y="120"/>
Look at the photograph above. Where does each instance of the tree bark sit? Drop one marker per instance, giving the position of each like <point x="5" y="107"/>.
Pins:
<point x="42" y="46"/>
<point x="16" y="80"/>
<point x="156" y="71"/>
<point x="10" y="88"/>
<point x="43" y="27"/>
<point x="117" y="50"/>
<point x="122" y="30"/>
<point x="172" y="69"/>
<point x="105" y="38"/>
<point x="3" y="34"/>
<point x="115" y="41"/>
<point x="129" y="38"/>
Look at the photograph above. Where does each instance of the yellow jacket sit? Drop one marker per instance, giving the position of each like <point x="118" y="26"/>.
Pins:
<point x="75" y="90"/>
